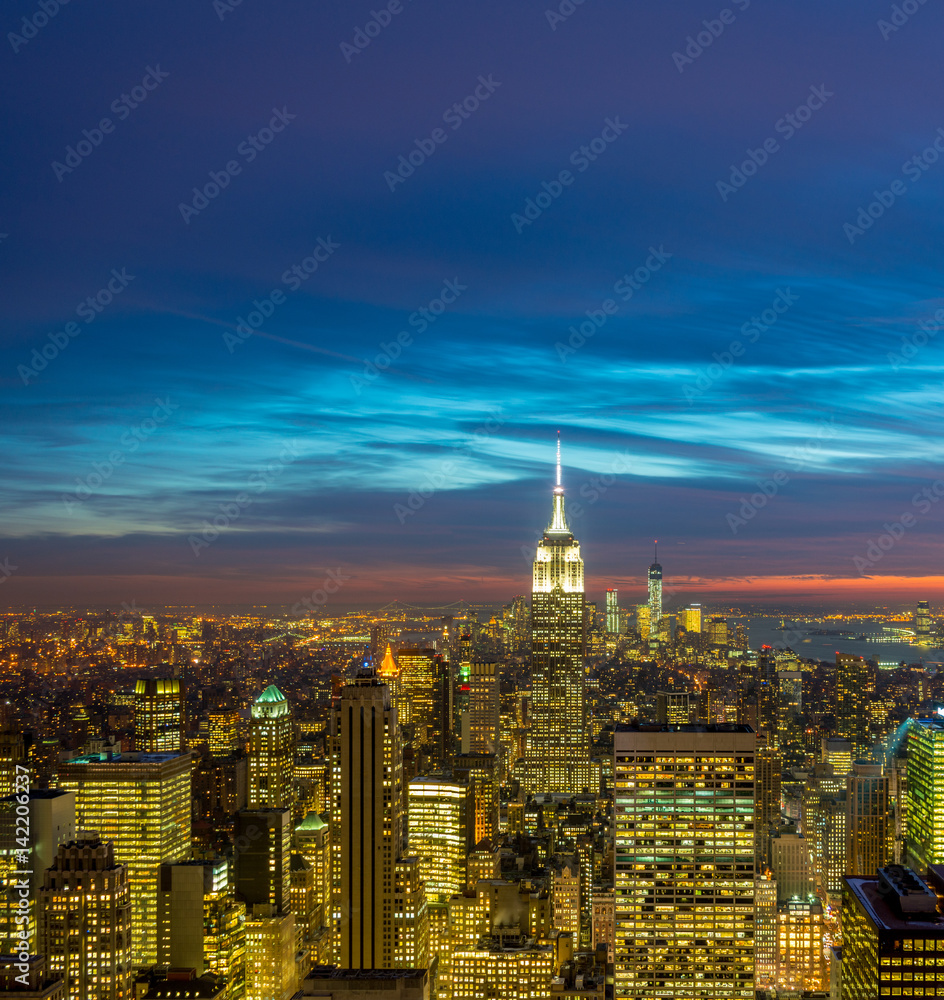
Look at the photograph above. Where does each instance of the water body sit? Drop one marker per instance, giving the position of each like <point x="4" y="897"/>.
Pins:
<point x="765" y="631"/>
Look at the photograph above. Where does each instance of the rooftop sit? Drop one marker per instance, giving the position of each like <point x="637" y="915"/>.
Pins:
<point x="882" y="913"/>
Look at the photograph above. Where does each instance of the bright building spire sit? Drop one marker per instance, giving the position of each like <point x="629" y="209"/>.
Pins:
<point x="558" y="518"/>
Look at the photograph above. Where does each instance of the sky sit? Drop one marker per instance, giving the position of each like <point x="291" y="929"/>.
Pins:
<point x="297" y="296"/>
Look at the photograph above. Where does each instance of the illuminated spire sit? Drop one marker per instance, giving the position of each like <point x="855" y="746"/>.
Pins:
<point x="558" y="518"/>
<point x="389" y="666"/>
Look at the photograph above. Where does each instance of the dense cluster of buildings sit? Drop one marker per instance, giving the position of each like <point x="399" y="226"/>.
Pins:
<point x="554" y="802"/>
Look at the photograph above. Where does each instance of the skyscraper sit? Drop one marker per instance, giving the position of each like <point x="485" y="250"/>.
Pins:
<point x="85" y="921"/>
<point x="141" y="802"/>
<point x="484" y="707"/>
<point x="655" y="595"/>
<point x="691" y="618"/>
<point x="612" y="611"/>
<point x="558" y="749"/>
<point x="271" y="751"/>
<point x="854" y="682"/>
<point x="923" y="623"/>
<point x="924" y="838"/>
<point x="869" y="829"/>
<point x="158" y="716"/>
<point x="440" y="819"/>
<point x="368" y="827"/>
<point x="684" y="817"/>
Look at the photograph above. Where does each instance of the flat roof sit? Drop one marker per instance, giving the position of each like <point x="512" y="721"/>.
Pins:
<point x="663" y="727"/>
<point x="883" y="916"/>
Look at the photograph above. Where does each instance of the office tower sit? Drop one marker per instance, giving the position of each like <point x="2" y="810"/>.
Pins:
<point x="416" y="688"/>
<point x="684" y="872"/>
<point x="481" y="772"/>
<point x="924" y="837"/>
<point x="201" y="925"/>
<point x="718" y="630"/>
<point x="824" y="824"/>
<point x="612" y="611"/>
<point x="223" y="729"/>
<point x="303" y="904"/>
<point x="801" y="931"/>
<point x="922" y="623"/>
<point x="271" y="751"/>
<point x="389" y="673"/>
<point x="410" y="924"/>
<point x="691" y="618"/>
<point x="51" y="823"/>
<point x="676" y="708"/>
<point x="140" y="802"/>
<point x="767" y="821"/>
<point x="559" y="743"/>
<point x="158" y="716"/>
<point x="270" y="956"/>
<point x="868" y="819"/>
<point x="791" y="865"/>
<point x="789" y="715"/>
<point x="655" y="594"/>
<point x="15" y="758"/>
<point x="765" y="931"/>
<point x="854" y="682"/>
<point x="484" y="707"/>
<point x="513" y="971"/>
<point x="312" y="839"/>
<point x="85" y="921"/>
<point x="565" y="894"/>
<point x="836" y="751"/>
<point x="368" y="821"/>
<point x="263" y="847"/>
<point x="440" y="816"/>
<point x="892" y="936"/>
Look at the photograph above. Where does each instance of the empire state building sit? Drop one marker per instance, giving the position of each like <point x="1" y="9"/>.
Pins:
<point x="559" y="745"/>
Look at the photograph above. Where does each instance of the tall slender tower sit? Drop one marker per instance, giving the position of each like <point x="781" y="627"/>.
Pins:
<point x="271" y="751"/>
<point x="558" y="751"/>
<point x="158" y="716"/>
<point x="655" y="595"/>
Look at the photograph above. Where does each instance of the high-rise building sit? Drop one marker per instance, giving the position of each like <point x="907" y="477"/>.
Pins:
<point x="690" y="618"/>
<point x="85" y="921"/>
<point x="271" y="751"/>
<point x="643" y="621"/>
<point x="854" y="682"/>
<point x="369" y="832"/>
<point x="50" y="823"/>
<point x="718" y="630"/>
<point x="271" y="972"/>
<point x="791" y="866"/>
<point x="223" y="729"/>
<point x="684" y="873"/>
<point x="836" y="751"/>
<point x="767" y="821"/>
<point x="801" y="931"/>
<point x="484" y="707"/>
<point x="924" y="837"/>
<point x="559" y="743"/>
<point x="655" y="595"/>
<point x="426" y="696"/>
<point x="789" y="715"/>
<point x="893" y="936"/>
<point x="869" y="827"/>
<point x="312" y="839"/>
<point x="922" y="623"/>
<point x="440" y="815"/>
<point x="158" y="716"/>
<point x="202" y="927"/>
<point x="765" y="931"/>
<point x="140" y="802"/>
<point x="824" y="825"/>
<point x="263" y="848"/>
<point x="612" y="611"/>
<point x="676" y="708"/>
<point x="15" y="752"/>
<point x="481" y="772"/>
<point x="415" y="707"/>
